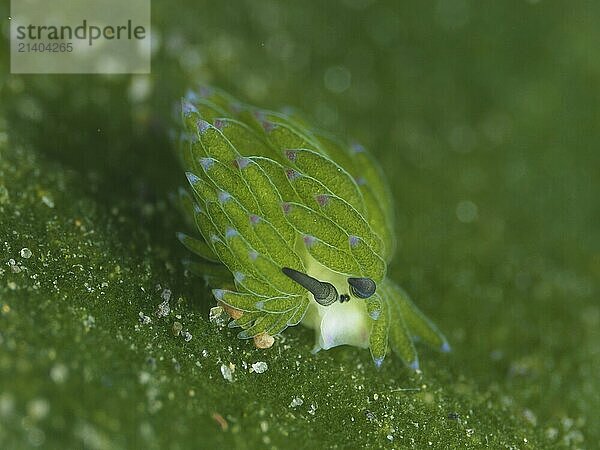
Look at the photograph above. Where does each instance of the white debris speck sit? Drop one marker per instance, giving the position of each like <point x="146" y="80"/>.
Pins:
<point x="530" y="417"/>
<point x="26" y="253"/>
<point x="59" y="373"/>
<point x="38" y="408"/>
<point x="260" y="367"/>
<point x="144" y="319"/>
<point x="226" y="372"/>
<point x="13" y="266"/>
<point x="312" y="410"/>
<point x="166" y="295"/>
<point x="205" y="353"/>
<point x="216" y="315"/>
<point x="187" y="336"/>
<point x="296" y="401"/>
<point x="48" y="201"/>
<point x="551" y="433"/>
<point x="163" y="309"/>
<point x="390" y="437"/>
<point x="89" y="321"/>
<point x="144" y="377"/>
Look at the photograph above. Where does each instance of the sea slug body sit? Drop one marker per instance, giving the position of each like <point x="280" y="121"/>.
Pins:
<point x="295" y="227"/>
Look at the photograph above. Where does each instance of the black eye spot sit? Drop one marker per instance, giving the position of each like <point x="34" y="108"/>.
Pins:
<point x="362" y="287"/>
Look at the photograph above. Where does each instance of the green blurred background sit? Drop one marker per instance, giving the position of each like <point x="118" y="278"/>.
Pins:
<point x="485" y="117"/>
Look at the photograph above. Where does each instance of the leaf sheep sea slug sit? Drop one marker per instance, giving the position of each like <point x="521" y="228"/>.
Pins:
<point x="296" y="227"/>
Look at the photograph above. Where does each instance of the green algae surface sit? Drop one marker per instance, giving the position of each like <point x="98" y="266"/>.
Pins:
<point x="484" y="118"/>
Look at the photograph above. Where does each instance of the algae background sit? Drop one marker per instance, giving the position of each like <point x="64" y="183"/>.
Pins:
<point x="485" y="118"/>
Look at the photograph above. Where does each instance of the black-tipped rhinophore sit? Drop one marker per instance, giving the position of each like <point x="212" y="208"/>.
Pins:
<point x="325" y="293"/>
<point x="362" y="287"/>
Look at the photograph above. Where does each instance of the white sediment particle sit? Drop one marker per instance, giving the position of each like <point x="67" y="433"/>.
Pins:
<point x="38" y="408"/>
<point x="530" y="416"/>
<point x="216" y="315"/>
<point x="13" y="266"/>
<point x="260" y="367"/>
<point x="296" y="401"/>
<point x="163" y="309"/>
<point x="144" y="319"/>
<point x="187" y="336"/>
<point x="312" y="410"/>
<point x="551" y="433"/>
<point x="59" y="373"/>
<point x="25" y="253"/>
<point x="226" y="372"/>
<point x="89" y="321"/>
<point x="48" y="201"/>
<point x="144" y="377"/>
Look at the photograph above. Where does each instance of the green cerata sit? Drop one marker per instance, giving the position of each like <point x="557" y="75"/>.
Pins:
<point x="296" y="227"/>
